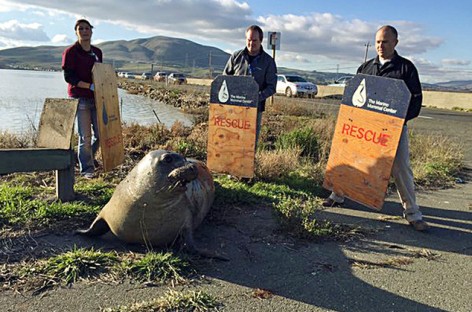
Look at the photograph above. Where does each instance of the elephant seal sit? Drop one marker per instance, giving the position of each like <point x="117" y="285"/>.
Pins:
<point x="160" y="202"/>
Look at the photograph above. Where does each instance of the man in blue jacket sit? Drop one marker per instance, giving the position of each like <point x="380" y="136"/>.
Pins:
<point x="254" y="61"/>
<point x="389" y="64"/>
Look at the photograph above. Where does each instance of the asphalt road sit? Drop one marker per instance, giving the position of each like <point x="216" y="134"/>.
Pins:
<point x="457" y="125"/>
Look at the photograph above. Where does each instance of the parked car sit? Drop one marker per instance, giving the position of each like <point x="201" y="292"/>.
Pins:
<point x="341" y="81"/>
<point x="146" y="76"/>
<point x="160" y="76"/>
<point x="129" y="75"/>
<point x="176" y="78"/>
<point x="293" y="85"/>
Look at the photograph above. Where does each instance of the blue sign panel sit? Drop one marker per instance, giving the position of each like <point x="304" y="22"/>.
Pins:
<point x="379" y="94"/>
<point x="235" y="90"/>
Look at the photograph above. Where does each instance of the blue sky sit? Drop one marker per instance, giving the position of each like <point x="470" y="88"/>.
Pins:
<point x="328" y="35"/>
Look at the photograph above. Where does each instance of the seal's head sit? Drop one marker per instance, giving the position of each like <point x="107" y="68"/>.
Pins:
<point x="163" y="170"/>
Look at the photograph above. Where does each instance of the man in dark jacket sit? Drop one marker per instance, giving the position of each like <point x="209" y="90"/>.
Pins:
<point x="389" y="64"/>
<point x="254" y="61"/>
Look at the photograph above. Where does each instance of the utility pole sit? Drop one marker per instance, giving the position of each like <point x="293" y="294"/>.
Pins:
<point x="209" y="65"/>
<point x="366" y="45"/>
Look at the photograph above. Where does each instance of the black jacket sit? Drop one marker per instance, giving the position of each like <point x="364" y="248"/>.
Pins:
<point x="262" y="68"/>
<point x="398" y="68"/>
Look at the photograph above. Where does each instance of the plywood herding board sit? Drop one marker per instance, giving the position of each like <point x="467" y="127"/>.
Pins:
<point x="232" y="139"/>
<point x="56" y="124"/>
<point x="108" y="113"/>
<point x="362" y="153"/>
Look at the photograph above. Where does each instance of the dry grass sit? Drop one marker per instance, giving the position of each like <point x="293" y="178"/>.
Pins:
<point x="273" y="165"/>
<point x="426" y="254"/>
<point x="435" y="159"/>
<point x="24" y="140"/>
<point x="394" y="262"/>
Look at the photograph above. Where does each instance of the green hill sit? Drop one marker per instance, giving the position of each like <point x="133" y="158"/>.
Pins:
<point x="134" y="55"/>
<point x="144" y="55"/>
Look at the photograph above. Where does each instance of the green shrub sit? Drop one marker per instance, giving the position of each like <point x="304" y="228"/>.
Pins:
<point x="304" y="139"/>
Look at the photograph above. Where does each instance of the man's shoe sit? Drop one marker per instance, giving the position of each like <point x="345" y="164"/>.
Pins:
<point x="89" y="175"/>
<point x="419" y="225"/>
<point x="329" y="202"/>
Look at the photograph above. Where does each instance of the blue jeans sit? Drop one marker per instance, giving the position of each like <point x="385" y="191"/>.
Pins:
<point x="88" y="144"/>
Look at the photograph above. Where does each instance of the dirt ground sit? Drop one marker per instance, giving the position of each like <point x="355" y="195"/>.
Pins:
<point x="386" y="267"/>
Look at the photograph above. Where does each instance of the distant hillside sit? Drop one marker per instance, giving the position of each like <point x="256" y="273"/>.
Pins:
<point x="457" y="84"/>
<point x="160" y="51"/>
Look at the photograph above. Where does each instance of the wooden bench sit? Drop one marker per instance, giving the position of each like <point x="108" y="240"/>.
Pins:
<point x="54" y="150"/>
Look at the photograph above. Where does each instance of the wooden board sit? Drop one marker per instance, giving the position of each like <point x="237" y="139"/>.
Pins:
<point x="108" y="113"/>
<point x="231" y="140"/>
<point x="365" y="141"/>
<point x="232" y="125"/>
<point x="34" y="159"/>
<point x="56" y="124"/>
<point x="362" y="153"/>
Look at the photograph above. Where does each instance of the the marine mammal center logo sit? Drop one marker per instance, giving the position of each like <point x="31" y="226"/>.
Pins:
<point x="223" y="94"/>
<point x="359" y="98"/>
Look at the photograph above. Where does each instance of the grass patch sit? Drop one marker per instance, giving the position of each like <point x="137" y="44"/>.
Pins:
<point x="64" y="269"/>
<point x="78" y="263"/>
<point x="86" y="264"/>
<point x="195" y="301"/>
<point x="19" y="205"/>
<point x="302" y="139"/>
<point x="295" y="208"/>
<point x="297" y="217"/>
<point x="435" y="159"/>
<point x="157" y="267"/>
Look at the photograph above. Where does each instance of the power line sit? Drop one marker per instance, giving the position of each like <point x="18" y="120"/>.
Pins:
<point x="366" y="45"/>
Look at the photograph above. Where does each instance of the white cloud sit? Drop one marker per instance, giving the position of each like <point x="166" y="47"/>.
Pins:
<point x="431" y="72"/>
<point x="455" y="62"/>
<point x="292" y="58"/>
<point x="14" y="30"/>
<point x="225" y="21"/>
<point x="61" y="39"/>
<point x="311" y="38"/>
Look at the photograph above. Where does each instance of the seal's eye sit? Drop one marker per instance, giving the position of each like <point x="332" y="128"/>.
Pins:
<point x="167" y="158"/>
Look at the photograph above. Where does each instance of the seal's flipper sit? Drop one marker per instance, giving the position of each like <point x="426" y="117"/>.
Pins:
<point x="188" y="246"/>
<point x="98" y="228"/>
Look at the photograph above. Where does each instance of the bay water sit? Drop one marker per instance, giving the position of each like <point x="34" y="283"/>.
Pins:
<point x="23" y="92"/>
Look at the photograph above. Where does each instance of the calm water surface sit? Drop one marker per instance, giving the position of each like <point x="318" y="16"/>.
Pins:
<point x="23" y="92"/>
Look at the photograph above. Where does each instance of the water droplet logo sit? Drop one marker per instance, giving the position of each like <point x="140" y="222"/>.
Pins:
<point x="104" y="114"/>
<point x="360" y="96"/>
<point x="223" y="94"/>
